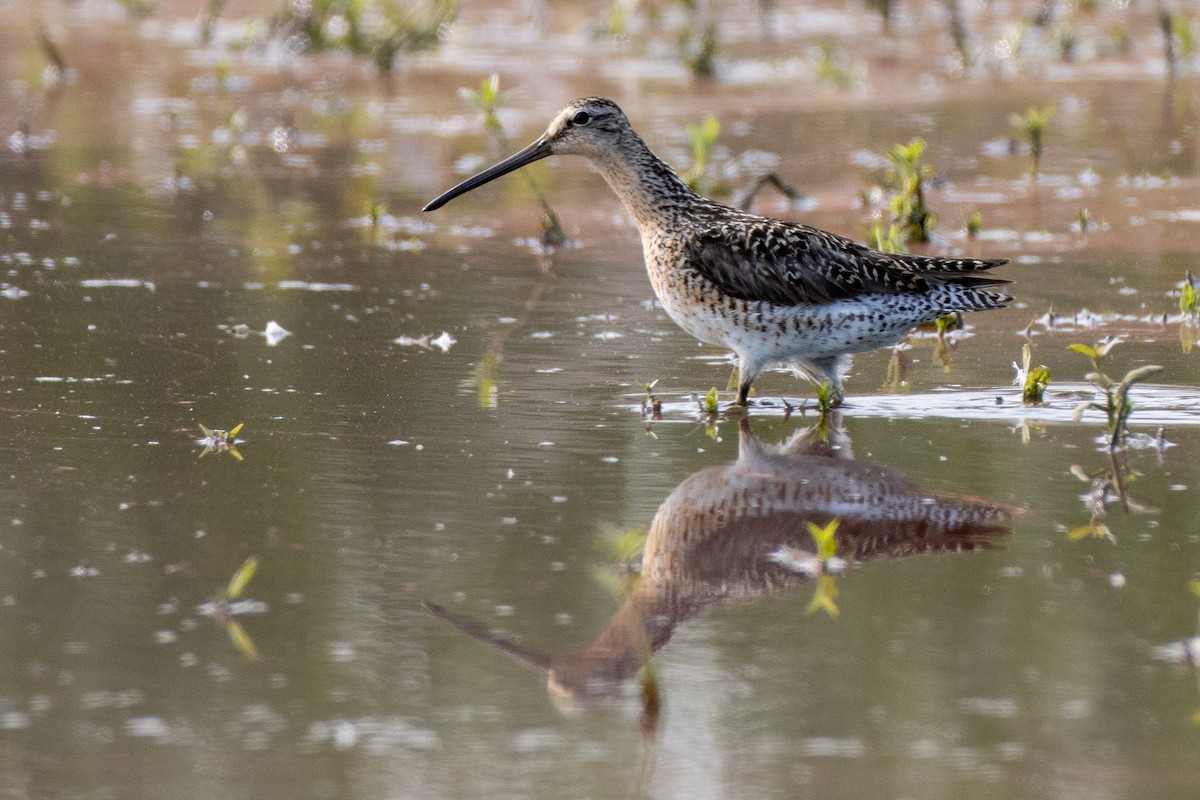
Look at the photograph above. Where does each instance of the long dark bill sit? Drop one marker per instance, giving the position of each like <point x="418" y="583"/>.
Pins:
<point x="534" y="152"/>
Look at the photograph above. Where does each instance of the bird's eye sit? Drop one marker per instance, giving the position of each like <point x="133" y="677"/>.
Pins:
<point x="582" y="118"/>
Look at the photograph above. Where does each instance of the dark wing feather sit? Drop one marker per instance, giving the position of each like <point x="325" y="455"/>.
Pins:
<point x="789" y="264"/>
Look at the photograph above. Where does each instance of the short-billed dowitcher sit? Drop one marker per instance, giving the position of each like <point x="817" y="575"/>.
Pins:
<point x="778" y="294"/>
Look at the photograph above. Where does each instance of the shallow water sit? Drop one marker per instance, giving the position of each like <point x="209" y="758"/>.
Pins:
<point x="433" y="413"/>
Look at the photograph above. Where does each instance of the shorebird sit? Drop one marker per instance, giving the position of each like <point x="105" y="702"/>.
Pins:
<point x="776" y="293"/>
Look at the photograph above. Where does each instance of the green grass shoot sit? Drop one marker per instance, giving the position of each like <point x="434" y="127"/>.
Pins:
<point x="824" y="398"/>
<point x="243" y="576"/>
<point x="1033" y="124"/>
<point x="974" y="225"/>
<point x="703" y="140"/>
<point x="487" y="98"/>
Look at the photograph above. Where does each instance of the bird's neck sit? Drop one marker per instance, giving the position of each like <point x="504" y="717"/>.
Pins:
<point x="650" y="189"/>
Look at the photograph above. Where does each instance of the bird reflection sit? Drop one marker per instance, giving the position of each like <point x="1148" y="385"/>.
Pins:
<point x="719" y="534"/>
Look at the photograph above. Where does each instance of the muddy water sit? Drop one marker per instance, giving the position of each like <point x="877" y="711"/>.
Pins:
<point x="450" y="418"/>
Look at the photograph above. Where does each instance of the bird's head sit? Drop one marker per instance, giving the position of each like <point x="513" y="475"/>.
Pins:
<point x="590" y="126"/>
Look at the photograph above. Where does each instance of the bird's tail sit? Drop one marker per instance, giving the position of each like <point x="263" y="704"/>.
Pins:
<point x="959" y="297"/>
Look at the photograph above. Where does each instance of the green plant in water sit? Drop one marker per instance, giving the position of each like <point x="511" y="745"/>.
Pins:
<point x="50" y="50"/>
<point x="974" y="225"/>
<point x="1083" y="218"/>
<point x="378" y="29"/>
<point x="216" y="440"/>
<point x="488" y="98"/>
<point x="208" y="19"/>
<point x="825" y="397"/>
<point x="1189" y="298"/>
<point x="1033" y="124"/>
<point x="376" y="211"/>
<point x="1117" y="406"/>
<point x="887" y="238"/>
<point x="697" y="42"/>
<point x="703" y="139"/>
<point x="1185" y="36"/>
<point x="711" y="406"/>
<point x="1034" y="380"/>
<point x="1066" y="40"/>
<point x="907" y="179"/>
<point x="831" y="72"/>
<point x="651" y="406"/>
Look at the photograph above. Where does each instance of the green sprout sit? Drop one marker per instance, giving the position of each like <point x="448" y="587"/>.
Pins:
<point x="488" y="98"/>
<point x="1084" y="218"/>
<point x="887" y="238"/>
<point x="376" y="211"/>
<point x="1036" y="379"/>
<point x="216" y="440"/>
<point x="703" y="139"/>
<point x="1117" y="406"/>
<point x="710" y="406"/>
<point x="1033" y="124"/>
<point x="1185" y="35"/>
<point x="974" y="225"/>
<point x="825" y="398"/>
<point x="831" y="72"/>
<point x="1189" y="299"/>
<point x="906" y="181"/>
<point x="1066" y="40"/>
<point x="651" y="406"/>
<point x="376" y="29"/>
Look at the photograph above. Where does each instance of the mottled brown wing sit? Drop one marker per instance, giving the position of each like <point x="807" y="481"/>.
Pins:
<point x="791" y="264"/>
<point x="788" y="263"/>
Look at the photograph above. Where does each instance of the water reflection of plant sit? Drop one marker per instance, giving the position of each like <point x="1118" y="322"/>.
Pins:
<point x="226" y="604"/>
<point x="1107" y="484"/>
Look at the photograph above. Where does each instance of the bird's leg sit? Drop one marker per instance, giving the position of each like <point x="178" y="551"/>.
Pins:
<point x="743" y="398"/>
<point x="747" y="372"/>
